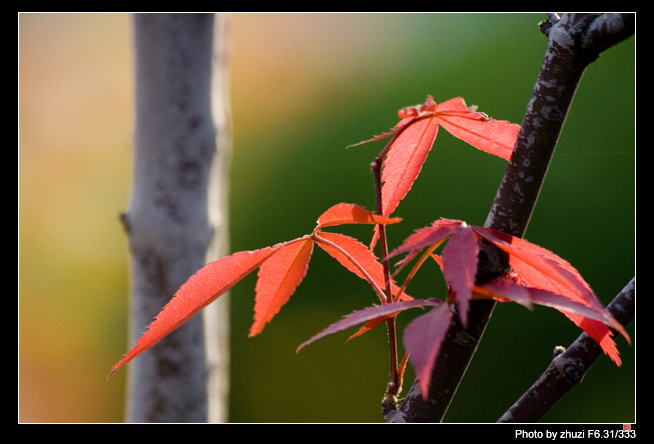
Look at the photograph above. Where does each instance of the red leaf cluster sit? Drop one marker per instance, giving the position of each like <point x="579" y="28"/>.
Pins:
<point x="281" y="269"/>
<point x="538" y="276"/>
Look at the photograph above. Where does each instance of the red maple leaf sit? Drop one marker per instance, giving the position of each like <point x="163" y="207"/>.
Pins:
<point x="281" y="269"/>
<point x="538" y="277"/>
<point x="538" y="268"/>
<point x="533" y="267"/>
<point x="200" y="290"/>
<point x="278" y="278"/>
<point x="416" y="132"/>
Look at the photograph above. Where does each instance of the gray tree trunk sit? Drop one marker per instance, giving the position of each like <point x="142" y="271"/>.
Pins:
<point x="176" y="219"/>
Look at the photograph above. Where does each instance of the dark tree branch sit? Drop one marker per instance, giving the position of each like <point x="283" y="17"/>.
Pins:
<point x="567" y="369"/>
<point x="574" y="41"/>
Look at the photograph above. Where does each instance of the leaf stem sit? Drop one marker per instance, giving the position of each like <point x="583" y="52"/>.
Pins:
<point x="317" y="238"/>
<point x="415" y="269"/>
<point x="567" y="369"/>
<point x="394" y="385"/>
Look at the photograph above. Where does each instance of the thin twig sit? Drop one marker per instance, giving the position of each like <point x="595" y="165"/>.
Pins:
<point x="567" y="369"/>
<point x="394" y="385"/>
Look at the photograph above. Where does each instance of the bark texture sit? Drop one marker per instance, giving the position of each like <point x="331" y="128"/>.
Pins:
<point x="169" y="223"/>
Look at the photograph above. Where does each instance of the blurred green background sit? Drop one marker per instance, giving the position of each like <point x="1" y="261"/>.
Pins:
<point x="303" y="88"/>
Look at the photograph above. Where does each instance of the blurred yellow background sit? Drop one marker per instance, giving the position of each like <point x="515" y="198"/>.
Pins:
<point x="74" y="171"/>
<point x="304" y="86"/>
